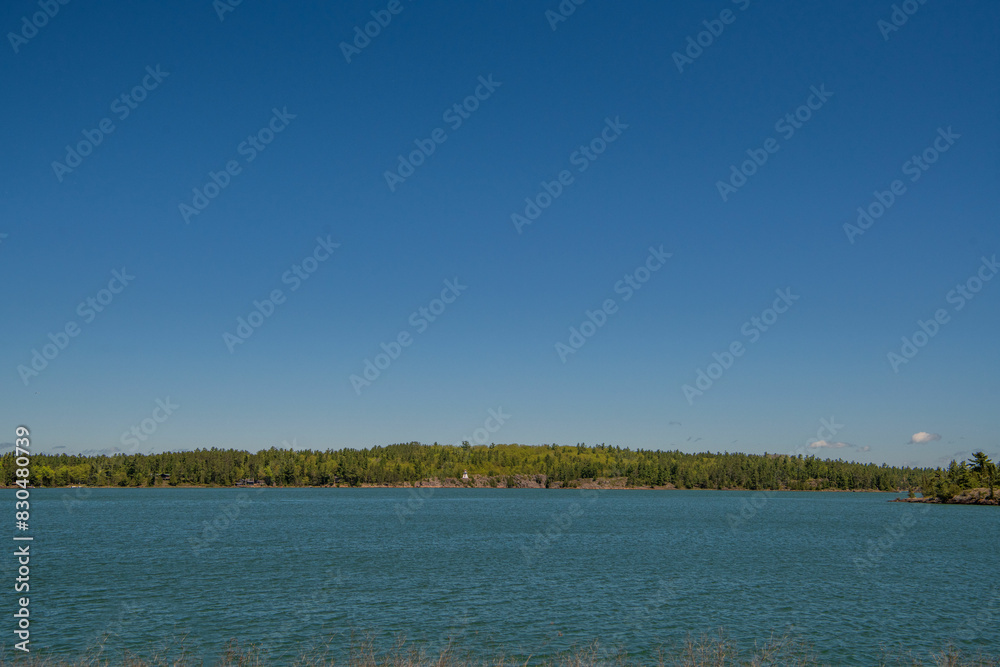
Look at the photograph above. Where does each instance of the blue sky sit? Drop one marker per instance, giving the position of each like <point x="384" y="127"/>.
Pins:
<point x="381" y="248"/>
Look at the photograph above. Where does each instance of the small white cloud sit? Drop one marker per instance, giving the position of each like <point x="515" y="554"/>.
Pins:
<point x="827" y="444"/>
<point x="832" y="445"/>
<point x="922" y="437"/>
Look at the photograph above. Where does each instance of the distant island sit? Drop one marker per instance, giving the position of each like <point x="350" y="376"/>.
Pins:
<point x="498" y="466"/>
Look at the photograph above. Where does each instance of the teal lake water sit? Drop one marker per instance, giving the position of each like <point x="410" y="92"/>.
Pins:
<point x="518" y="571"/>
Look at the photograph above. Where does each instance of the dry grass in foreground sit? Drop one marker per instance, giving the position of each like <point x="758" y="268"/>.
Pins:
<point x="707" y="651"/>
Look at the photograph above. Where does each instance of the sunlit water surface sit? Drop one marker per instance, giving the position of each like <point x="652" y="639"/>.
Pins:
<point x="518" y="572"/>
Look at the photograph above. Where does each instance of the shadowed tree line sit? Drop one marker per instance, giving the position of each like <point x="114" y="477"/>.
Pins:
<point x="413" y="462"/>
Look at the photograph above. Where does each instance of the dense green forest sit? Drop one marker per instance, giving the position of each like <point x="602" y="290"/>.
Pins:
<point x="977" y="472"/>
<point x="413" y="462"/>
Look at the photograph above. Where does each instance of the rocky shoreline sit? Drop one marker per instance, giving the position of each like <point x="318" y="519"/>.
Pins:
<point x="541" y="481"/>
<point x="537" y="481"/>
<point x="967" y="497"/>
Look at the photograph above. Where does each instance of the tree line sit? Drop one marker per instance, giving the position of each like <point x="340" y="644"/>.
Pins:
<point x="407" y="463"/>
<point x="978" y="472"/>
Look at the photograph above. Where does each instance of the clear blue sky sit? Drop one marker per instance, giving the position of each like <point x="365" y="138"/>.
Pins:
<point x="548" y="92"/>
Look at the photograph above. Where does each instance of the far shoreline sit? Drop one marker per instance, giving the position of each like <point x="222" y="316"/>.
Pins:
<point x="469" y="487"/>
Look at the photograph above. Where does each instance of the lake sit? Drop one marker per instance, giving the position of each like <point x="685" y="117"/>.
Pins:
<point x="525" y="572"/>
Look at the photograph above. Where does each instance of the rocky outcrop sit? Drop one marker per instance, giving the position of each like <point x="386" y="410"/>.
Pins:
<point x="966" y="497"/>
